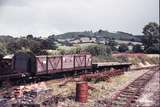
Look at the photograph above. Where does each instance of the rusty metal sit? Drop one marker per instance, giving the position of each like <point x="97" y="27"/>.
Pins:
<point x="85" y="77"/>
<point x="129" y="94"/>
<point x="82" y="92"/>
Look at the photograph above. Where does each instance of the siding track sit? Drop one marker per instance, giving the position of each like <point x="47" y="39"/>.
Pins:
<point x="127" y="96"/>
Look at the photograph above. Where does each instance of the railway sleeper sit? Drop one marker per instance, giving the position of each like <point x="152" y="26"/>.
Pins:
<point x="128" y="90"/>
<point x="136" y="86"/>
<point x="139" y="81"/>
<point x="139" y="84"/>
<point x="126" y="95"/>
<point x="136" y="97"/>
<point x="120" y="99"/>
<point x="132" y="87"/>
<point x="118" y="104"/>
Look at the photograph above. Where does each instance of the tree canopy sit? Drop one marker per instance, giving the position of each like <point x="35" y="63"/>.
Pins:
<point x="151" y="40"/>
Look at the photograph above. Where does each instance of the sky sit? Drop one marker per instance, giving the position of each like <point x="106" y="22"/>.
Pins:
<point x="46" y="17"/>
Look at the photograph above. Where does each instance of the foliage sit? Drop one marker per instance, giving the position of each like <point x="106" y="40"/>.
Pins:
<point x="35" y="46"/>
<point x="123" y="48"/>
<point x="112" y="44"/>
<point x="97" y="50"/>
<point x="122" y="59"/>
<point x="29" y="43"/>
<point x="96" y="79"/>
<point x="29" y="37"/>
<point x="137" y="48"/>
<point x="69" y="50"/>
<point x="153" y="49"/>
<point x="101" y="58"/>
<point x="12" y="47"/>
<point x="151" y="39"/>
<point x="3" y="50"/>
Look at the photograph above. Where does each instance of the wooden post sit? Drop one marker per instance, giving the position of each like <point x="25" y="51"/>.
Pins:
<point x="47" y="64"/>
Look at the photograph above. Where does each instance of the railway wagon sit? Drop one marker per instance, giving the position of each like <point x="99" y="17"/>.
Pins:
<point x="29" y="64"/>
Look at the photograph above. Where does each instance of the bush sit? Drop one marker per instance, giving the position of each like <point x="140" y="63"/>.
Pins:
<point x="96" y="79"/>
<point x="153" y="49"/>
<point x="101" y="58"/>
<point x="69" y="50"/>
<point x="123" y="48"/>
<point x="122" y="59"/>
<point x="137" y="48"/>
<point x="98" y="50"/>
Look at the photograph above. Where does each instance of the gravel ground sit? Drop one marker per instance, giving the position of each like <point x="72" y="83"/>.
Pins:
<point x="98" y="97"/>
<point x="102" y="94"/>
<point x="151" y="95"/>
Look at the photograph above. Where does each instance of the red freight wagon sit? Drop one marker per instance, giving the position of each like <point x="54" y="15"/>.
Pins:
<point x="52" y="64"/>
<point x="28" y="63"/>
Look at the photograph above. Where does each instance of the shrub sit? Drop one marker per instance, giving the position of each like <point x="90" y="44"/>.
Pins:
<point x="137" y="48"/>
<point x="123" y="48"/>
<point x="122" y="59"/>
<point x="98" y="50"/>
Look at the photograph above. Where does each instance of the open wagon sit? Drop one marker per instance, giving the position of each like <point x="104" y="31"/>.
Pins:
<point x="27" y="63"/>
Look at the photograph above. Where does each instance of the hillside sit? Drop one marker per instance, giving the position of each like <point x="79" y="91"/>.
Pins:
<point x="5" y="38"/>
<point x="102" y="34"/>
<point x="99" y="34"/>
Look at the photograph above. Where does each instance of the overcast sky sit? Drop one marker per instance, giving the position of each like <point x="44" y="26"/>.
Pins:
<point x="45" y="17"/>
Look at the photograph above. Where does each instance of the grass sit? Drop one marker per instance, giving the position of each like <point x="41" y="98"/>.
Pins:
<point x="143" y="59"/>
<point x="96" y="79"/>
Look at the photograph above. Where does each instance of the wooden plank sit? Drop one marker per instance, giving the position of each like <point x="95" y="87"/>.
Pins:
<point x="25" y="105"/>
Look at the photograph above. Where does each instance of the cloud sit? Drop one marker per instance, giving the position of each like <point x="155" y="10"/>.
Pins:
<point x="42" y="17"/>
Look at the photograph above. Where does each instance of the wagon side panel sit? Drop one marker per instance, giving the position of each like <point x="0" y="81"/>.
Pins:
<point x="68" y="62"/>
<point x="80" y="61"/>
<point x="88" y="60"/>
<point x="54" y="64"/>
<point x="41" y="64"/>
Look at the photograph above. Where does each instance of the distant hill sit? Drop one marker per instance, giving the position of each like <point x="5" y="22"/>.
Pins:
<point x="6" y="38"/>
<point x="75" y="37"/>
<point x="71" y="35"/>
<point x="103" y="34"/>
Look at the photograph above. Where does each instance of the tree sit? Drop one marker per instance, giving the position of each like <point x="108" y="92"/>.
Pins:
<point x="45" y="44"/>
<point x="51" y="41"/>
<point x="35" y="46"/>
<point x="3" y="49"/>
<point x="23" y="43"/>
<point x="12" y="47"/>
<point x="151" y="38"/>
<point x="137" y="48"/>
<point x="123" y="48"/>
<point x="29" y="37"/>
<point x="112" y="44"/>
<point x="98" y="50"/>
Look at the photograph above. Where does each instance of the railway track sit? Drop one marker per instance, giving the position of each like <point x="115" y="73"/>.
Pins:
<point x="142" y="68"/>
<point x="127" y="96"/>
<point x="24" y="81"/>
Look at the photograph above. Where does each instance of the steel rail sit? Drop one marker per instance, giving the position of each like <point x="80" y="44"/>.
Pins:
<point x="130" y="93"/>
